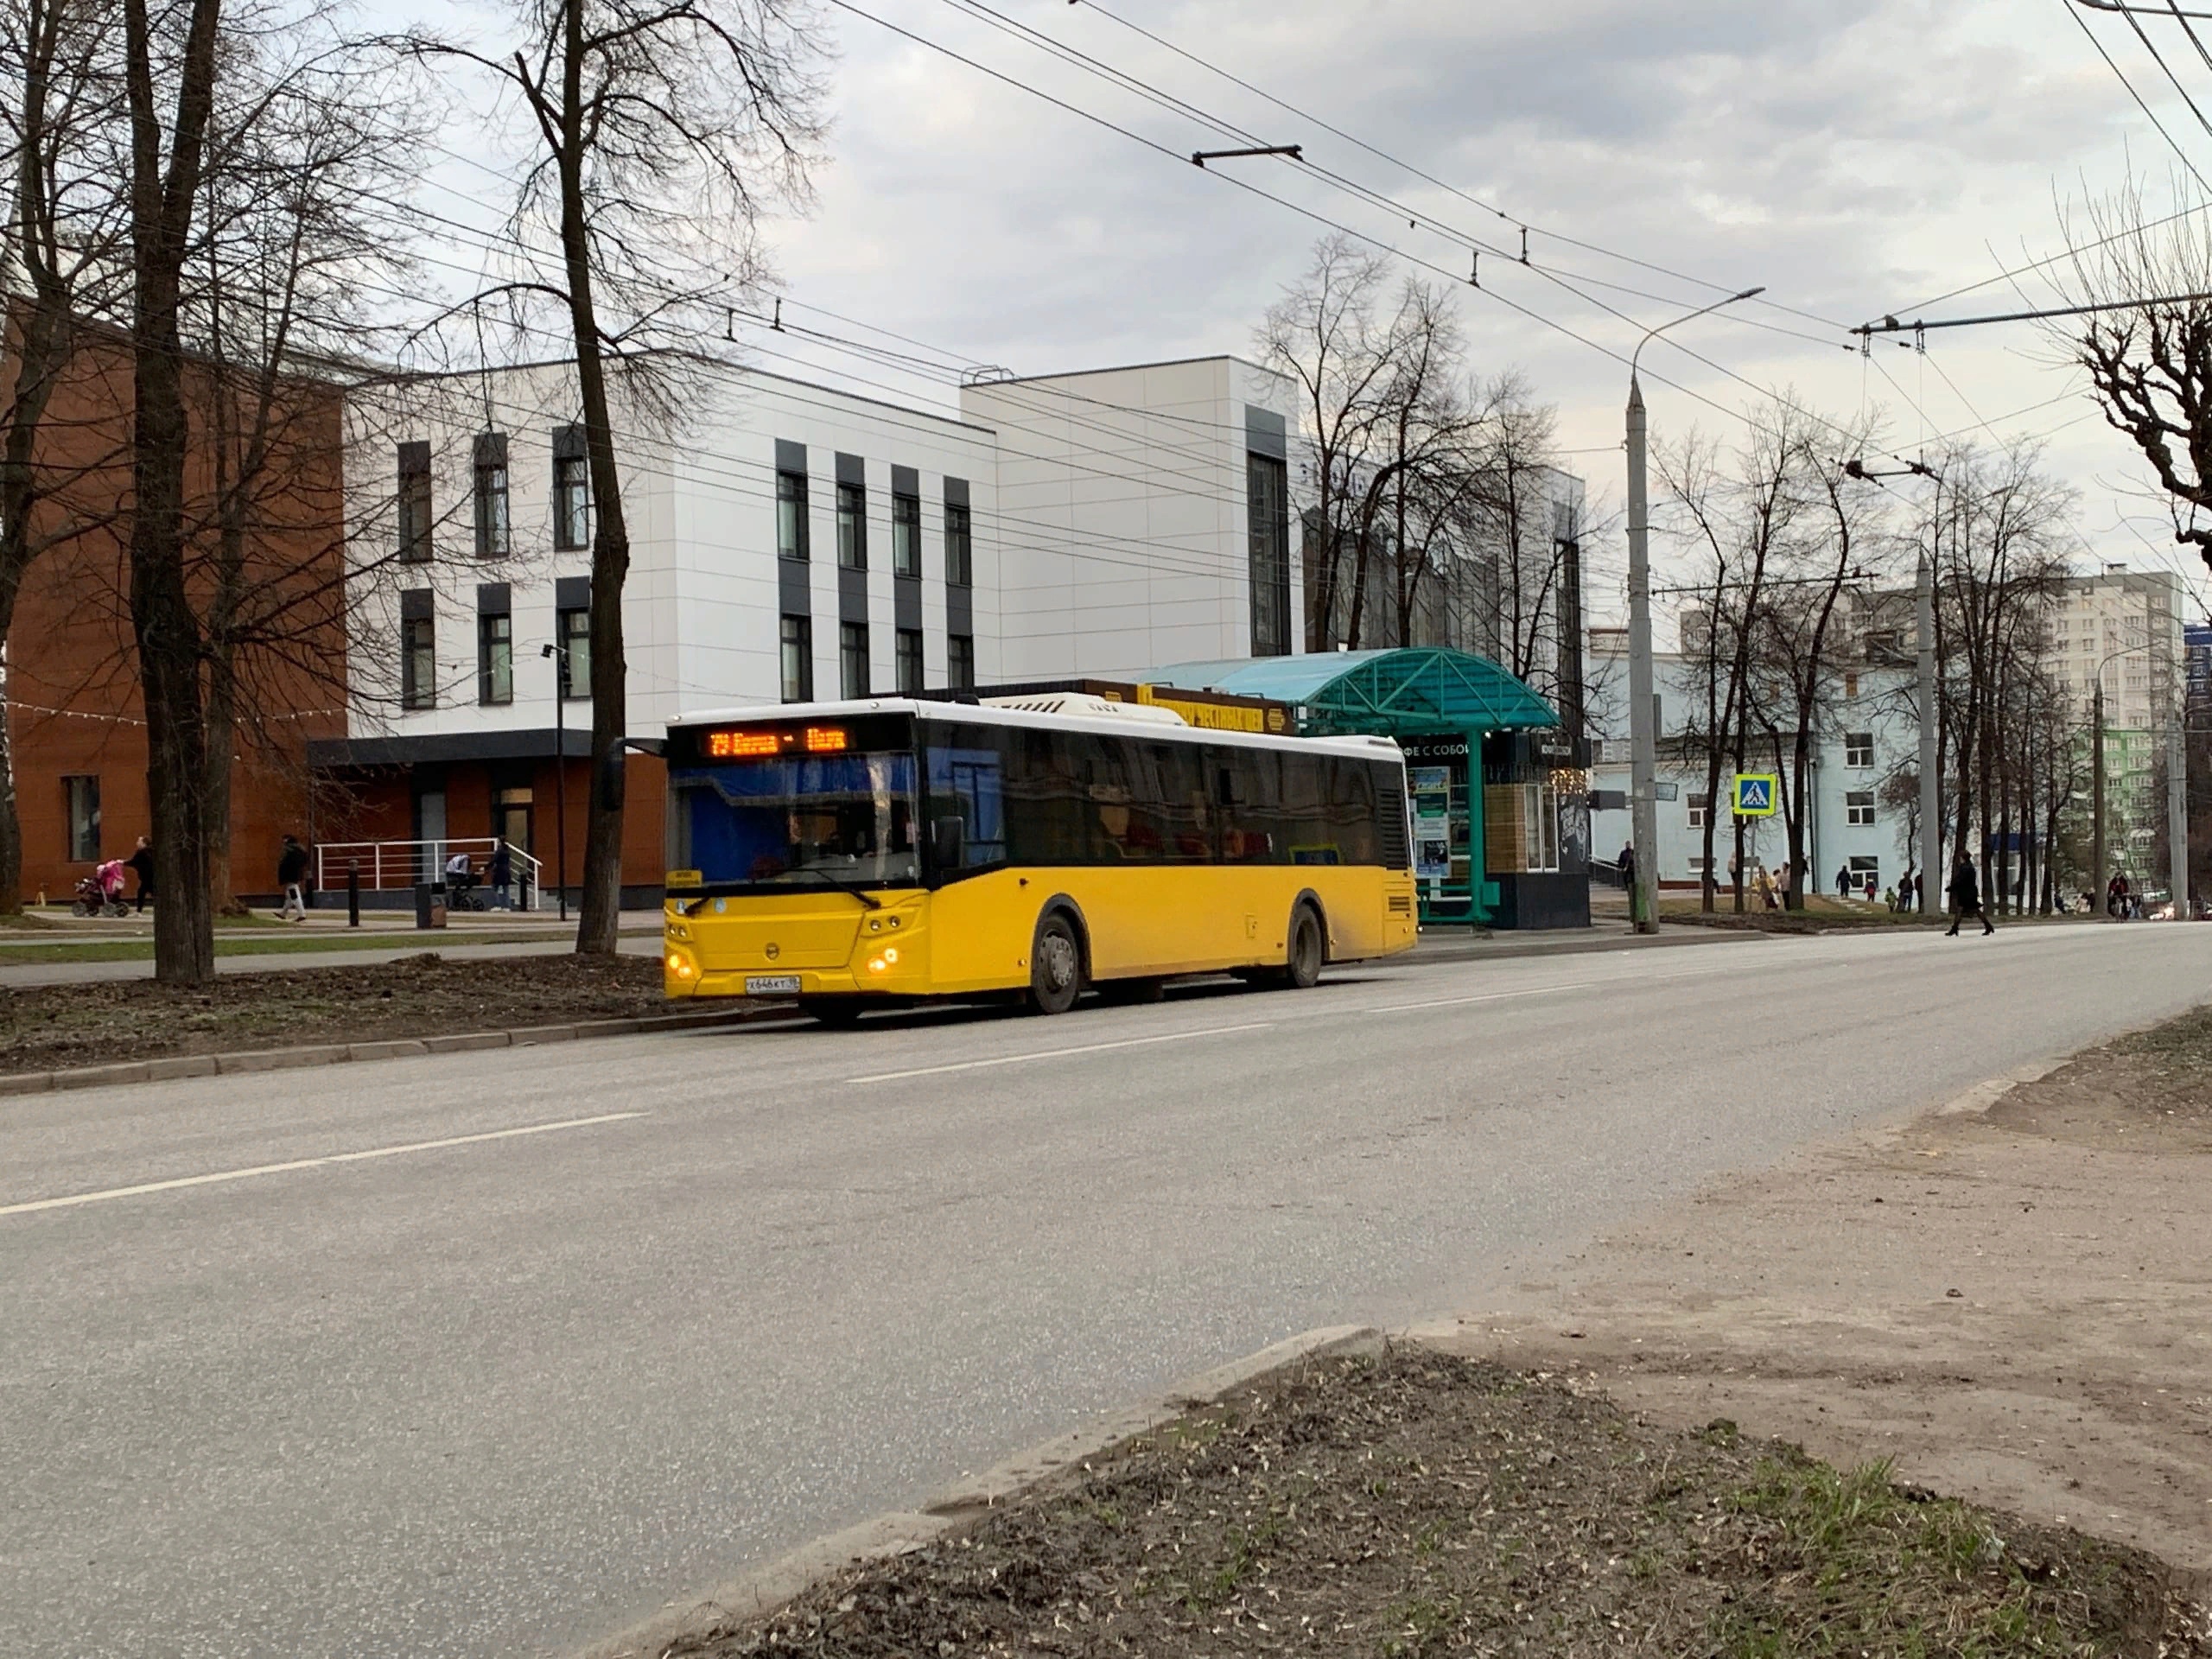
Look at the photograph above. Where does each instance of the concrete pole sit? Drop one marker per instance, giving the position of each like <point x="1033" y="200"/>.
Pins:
<point x="2097" y="872"/>
<point x="1642" y="739"/>
<point x="1931" y="788"/>
<point x="2178" y="817"/>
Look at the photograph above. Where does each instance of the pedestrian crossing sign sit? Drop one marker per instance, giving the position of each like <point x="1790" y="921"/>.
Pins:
<point x="1755" y="794"/>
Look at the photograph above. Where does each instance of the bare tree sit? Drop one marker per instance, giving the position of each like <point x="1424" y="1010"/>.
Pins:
<point x="58" y="104"/>
<point x="1322" y="333"/>
<point x="2150" y="365"/>
<point x="661" y="132"/>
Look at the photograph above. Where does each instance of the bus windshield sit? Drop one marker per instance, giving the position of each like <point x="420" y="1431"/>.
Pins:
<point x="785" y="819"/>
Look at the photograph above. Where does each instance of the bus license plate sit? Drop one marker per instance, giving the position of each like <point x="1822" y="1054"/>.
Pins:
<point x="772" y="984"/>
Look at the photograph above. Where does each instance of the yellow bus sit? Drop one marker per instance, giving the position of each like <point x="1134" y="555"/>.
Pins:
<point x="872" y="854"/>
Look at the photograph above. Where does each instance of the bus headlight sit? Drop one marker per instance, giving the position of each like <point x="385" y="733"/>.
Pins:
<point x="681" y="966"/>
<point x="875" y="964"/>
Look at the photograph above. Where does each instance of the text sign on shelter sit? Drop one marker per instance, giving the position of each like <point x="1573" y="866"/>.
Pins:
<point x="1755" y="794"/>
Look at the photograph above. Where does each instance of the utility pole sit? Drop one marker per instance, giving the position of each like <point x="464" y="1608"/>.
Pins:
<point x="2177" y="817"/>
<point x="2097" y="876"/>
<point x="1644" y="739"/>
<point x="1931" y="792"/>
<point x="559" y="653"/>
<point x="1643" y="712"/>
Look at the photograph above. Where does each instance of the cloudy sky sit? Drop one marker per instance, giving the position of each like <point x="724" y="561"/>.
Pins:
<point x="1855" y="160"/>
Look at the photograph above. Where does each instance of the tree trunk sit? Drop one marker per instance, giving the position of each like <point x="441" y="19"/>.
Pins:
<point x="161" y="609"/>
<point x="600" y="913"/>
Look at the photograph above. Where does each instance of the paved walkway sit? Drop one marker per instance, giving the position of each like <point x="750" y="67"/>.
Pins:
<point x="635" y="943"/>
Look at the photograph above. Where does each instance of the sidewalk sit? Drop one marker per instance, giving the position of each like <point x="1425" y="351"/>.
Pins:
<point x="451" y="942"/>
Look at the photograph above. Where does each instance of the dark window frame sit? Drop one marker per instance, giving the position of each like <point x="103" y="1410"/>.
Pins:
<point x="492" y="498"/>
<point x="80" y="816"/>
<point x="495" y="659"/>
<point x="852" y="526"/>
<point x="909" y="668"/>
<point x="416" y="508"/>
<point x="905" y="534"/>
<point x="795" y="651"/>
<point x="572" y="638"/>
<point x="959" y="546"/>
<point x="418" y="662"/>
<point x="960" y="662"/>
<point x="852" y="654"/>
<point x="790" y="493"/>
<point x="572" y="500"/>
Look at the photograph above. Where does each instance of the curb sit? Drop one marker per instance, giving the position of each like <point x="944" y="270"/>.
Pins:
<point x="401" y="1048"/>
<point x="899" y="1532"/>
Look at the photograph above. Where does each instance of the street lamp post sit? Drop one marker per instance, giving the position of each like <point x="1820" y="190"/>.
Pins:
<point x="1642" y="718"/>
<point x="560" y="654"/>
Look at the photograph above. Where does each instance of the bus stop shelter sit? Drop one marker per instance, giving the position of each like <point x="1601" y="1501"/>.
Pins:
<point x="1500" y="818"/>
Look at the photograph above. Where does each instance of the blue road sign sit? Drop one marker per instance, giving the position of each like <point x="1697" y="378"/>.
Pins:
<point x="1756" y="794"/>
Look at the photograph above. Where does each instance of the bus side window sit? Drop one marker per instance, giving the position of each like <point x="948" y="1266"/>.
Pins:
<point x="968" y="784"/>
<point x="1248" y="791"/>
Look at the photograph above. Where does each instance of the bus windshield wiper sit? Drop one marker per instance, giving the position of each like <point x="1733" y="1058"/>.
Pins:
<point x="823" y="875"/>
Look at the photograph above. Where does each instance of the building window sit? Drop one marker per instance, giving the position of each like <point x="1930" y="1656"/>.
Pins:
<point x="418" y="664"/>
<point x="798" y="660"/>
<point x="960" y="662"/>
<point x="82" y="795"/>
<point x="1858" y="748"/>
<point x="492" y="517"/>
<point x="571" y="490"/>
<point x="495" y="657"/>
<point x="414" y="504"/>
<point x="791" y="516"/>
<point x="1698" y="805"/>
<point x="852" y="658"/>
<point x="1850" y="680"/>
<point x="959" y="547"/>
<point x="906" y="535"/>
<point x="852" y="526"/>
<point x="572" y="630"/>
<point x="1858" y="807"/>
<point x="1267" y="526"/>
<point x="910" y="661"/>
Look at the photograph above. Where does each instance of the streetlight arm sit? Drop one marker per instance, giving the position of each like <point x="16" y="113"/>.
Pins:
<point x="1651" y="334"/>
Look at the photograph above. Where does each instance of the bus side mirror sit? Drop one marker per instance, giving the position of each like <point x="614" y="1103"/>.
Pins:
<point x="949" y="842"/>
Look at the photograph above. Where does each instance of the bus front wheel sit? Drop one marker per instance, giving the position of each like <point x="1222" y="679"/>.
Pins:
<point x="1055" y="965"/>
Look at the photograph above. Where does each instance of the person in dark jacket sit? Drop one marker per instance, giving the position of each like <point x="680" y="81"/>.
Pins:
<point x="291" y="876"/>
<point x="1965" y="900"/>
<point x="503" y="876"/>
<point x="141" y="864"/>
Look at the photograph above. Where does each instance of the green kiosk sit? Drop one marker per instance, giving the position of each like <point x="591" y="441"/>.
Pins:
<point x="1500" y="794"/>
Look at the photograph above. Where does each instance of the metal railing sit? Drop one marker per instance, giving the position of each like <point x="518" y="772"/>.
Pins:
<point x="390" y="866"/>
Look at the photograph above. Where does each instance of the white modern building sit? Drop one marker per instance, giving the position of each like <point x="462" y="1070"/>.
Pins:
<point x="788" y="540"/>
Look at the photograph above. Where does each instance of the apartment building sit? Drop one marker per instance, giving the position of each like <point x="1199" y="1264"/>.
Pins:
<point x="789" y="541"/>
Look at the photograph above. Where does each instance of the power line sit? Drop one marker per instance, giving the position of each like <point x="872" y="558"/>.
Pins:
<point x="2174" y="144"/>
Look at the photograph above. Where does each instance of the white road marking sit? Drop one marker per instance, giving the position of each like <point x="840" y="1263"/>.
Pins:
<point x="76" y="1198"/>
<point x="1487" y="996"/>
<point x="1053" y="1053"/>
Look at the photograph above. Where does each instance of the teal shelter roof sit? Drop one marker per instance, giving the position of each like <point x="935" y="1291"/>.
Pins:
<point x="1409" y="689"/>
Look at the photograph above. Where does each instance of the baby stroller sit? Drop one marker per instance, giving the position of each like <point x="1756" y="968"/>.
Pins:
<point x="100" y="893"/>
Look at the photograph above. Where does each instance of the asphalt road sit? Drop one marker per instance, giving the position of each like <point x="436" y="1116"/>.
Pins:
<point x="506" y="1393"/>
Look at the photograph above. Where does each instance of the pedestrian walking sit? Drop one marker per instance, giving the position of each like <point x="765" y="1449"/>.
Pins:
<point x="1965" y="900"/>
<point x="291" y="876"/>
<point x="141" y="864"/>
<point x="1843" y="880"/>
<point x="503" y="876"/>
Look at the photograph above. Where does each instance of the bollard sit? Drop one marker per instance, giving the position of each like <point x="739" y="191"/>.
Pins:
<point x="353" y="892"/>
<point x="430" y="905"/>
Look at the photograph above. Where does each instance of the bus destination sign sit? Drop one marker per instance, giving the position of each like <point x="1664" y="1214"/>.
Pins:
<point x="741" y="744"/>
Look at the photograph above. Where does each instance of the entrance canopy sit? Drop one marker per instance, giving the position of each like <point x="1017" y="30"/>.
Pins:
<point x="1407" y="690"/>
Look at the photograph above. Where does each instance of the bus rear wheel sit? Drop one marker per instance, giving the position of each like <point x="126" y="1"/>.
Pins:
<point x="1303" y="957"/>
<point x="839" y="1012"/>
<point x="1055" y="965"/>
<point x="1307" y="951"/>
